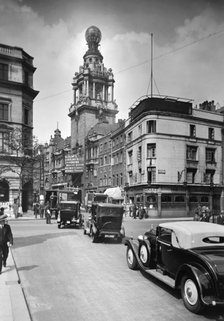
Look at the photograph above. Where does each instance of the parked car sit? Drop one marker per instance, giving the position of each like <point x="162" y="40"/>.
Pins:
<point x="105" y="222"/>
<point x="69" y="214"/>
<point x="186" y="255"/>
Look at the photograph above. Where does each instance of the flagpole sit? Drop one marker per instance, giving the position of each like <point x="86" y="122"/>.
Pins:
<point x="151" y="64"/>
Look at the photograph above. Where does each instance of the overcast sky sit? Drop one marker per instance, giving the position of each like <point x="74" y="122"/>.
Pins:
<point x="188" y="50"/>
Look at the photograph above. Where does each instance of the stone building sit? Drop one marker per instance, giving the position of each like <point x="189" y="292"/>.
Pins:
<point x="16" y="114"/>
<point x="98" y="157"/>
<point x="174" y="156"/>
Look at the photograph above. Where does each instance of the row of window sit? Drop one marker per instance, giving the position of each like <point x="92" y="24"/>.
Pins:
<point x="211" y="132"/>
<point x="117" y="180"/>
<point x="151" y="128"/>
<point x="192" y="154"/>
<point x="4" y="113"/>
<point x="4" y="74"/>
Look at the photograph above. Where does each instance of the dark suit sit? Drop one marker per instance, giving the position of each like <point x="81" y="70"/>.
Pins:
<point x="5" y="237"/>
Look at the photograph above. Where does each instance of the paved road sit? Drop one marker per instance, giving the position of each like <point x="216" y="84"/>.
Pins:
<point x="67" y="277"/>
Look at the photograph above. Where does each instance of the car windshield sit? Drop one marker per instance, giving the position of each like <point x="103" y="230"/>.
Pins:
<point x="68" y="206"/>
<point x="110" y="211"/>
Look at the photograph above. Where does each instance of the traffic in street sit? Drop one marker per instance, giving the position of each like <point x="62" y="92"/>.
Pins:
<point x="65" y="275"/>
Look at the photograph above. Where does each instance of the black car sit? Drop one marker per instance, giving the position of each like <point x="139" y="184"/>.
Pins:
<point x="69" y="214"/>
<point x="106" y="222"/>
<point x="186" y="255"/>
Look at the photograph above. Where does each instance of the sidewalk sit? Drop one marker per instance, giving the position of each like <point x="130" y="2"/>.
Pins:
<point x="13" y="303"/>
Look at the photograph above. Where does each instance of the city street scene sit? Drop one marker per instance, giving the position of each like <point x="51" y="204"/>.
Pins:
<point x="111" y="160"/>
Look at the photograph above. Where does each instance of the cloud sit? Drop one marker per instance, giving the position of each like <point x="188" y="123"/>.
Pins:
<point x="185" y="66"/>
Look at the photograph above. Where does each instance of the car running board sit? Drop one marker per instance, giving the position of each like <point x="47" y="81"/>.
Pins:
<point x="164" y="278"/>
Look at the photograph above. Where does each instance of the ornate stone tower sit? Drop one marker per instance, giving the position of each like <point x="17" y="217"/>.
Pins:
<point x="93" y="89"/>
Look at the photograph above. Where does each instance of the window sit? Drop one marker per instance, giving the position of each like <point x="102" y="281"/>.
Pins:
<point x="165" y="198"/>
<point x="26" y="78"/>
<point x="151" y="171"/>
<point x="179" y="199"/>
<point x="191" y="176"/>
<point x="151" y="150"/>
<point x="26" y="116"/>
<point x="151" y="126"/>
<point x="139" y="154"/>
<point x="4" y="142"/>
<point x="130" y="156"/>
<point x="165" y="235"/>
<point x="192" y="131"/>
<point x="121" y="157"/>
<point x="4" y="71"/>
<point x="204" y="199"/>
<point x="193" y="199"/>
<point x="4" y="111"/>
<point x="140" y="130"/>
<point x="192" y="152"/>
<point x="129" y="137"/>
<point x="121" y="178"/>
<point x="211" y="133"/>
<point x="210" y="155"/>
<point x="208" y="177"/>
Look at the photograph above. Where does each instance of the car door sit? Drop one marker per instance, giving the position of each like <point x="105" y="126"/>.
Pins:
<point x="169" y="257"/>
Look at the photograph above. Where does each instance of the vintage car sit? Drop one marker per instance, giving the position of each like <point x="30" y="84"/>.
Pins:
<point x="186" y="255"/>
<point x="106" y="222"/>
<point x="69" y="214"/>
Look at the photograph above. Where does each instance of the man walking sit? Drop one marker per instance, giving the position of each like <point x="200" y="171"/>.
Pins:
<point x="6" y="239"/>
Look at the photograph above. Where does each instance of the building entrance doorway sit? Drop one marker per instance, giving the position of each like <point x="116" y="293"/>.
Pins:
<point x="27" y="197"/>
<point x="4" y="191"/>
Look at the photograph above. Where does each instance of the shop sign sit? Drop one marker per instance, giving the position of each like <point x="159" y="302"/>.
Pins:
<point x="161" y="171"/>
<point x="151" y="190"/>
<point x="74" y="164"/>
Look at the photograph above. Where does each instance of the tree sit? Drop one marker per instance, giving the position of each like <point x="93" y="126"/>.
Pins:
<point x="19" y="155"/>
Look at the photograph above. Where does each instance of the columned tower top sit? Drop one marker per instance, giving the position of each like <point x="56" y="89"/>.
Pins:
<point x="93" y="88"/>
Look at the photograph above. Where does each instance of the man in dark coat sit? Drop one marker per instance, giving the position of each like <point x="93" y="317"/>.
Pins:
<point x="6" y="238"/>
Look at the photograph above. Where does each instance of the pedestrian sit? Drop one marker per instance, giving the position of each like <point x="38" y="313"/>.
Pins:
<point x="36" y="209"/>
<point x="47" y="213"/>
<point x="134" y="210"/>
<point x="15" y="208"/>
<point x="6" y="238"/>
<point x="220" y="218"/>
<point x="198" y="213"/>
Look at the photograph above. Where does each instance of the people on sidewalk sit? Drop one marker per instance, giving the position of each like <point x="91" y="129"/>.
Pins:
<point x="6" y="238"/>
<point x="48" y="213"/>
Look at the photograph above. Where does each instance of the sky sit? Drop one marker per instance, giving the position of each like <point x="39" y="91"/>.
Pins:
<point x="183" y="39"/>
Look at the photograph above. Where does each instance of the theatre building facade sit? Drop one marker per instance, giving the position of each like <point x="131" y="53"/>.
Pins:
<point x="174" y="156"/>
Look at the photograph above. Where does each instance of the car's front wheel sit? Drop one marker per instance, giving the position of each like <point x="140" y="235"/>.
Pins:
<point x="190" y="294"/>
<point x="131" y="259"/>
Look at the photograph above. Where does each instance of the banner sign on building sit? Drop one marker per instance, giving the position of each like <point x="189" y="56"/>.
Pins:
<point x="74" y="164"/>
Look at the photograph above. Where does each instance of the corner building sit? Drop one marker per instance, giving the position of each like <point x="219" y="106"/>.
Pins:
<point x="174" y="156"/>
<point x="16" y="112"/>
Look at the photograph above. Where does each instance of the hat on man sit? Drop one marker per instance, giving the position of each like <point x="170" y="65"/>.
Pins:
<point x="3" y="217"/>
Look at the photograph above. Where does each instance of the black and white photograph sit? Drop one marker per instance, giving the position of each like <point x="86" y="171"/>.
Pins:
<point x="111" y="160"/>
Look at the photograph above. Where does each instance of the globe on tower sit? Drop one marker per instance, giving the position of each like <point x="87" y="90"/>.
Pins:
<point x="93" y="37"/>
